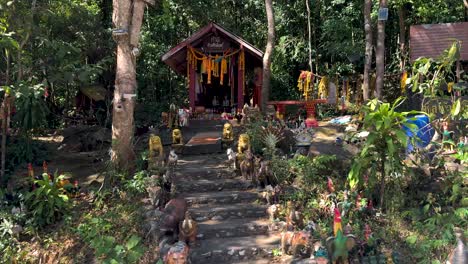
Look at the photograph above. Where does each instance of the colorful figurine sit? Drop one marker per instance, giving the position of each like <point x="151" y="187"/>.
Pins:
<point x="156" y="153"/>
<point x="293" y="242"/>
<point x="447" y="141"/>
<point x="228" y="134"/>
<point x="188" y="229"/>
<point x="177" y="138"/>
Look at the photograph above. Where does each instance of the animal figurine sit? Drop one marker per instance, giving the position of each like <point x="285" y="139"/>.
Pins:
<point x="268" y="194"/>
<point x="447" y="140"/>
<point x="340" y="244"/>
<point x="183" y="117"/>
<point x="177" y="254"/>
<point x="228" y="134"/>
<point x="156" y="153"/>
<point x="231" y="157"/>
<point x="177" y="138"/>
<point x="244" y="144"/>
<point x="294" y="218"/>
<point x="188" y="229"/>
<point x="165" y="118"/>
<point x="173" y="214"/>
<point x="293" y="242"/>
<point x="172" y="159"/>
<point x="155" y="194"/>
<point x="263" y="176"/>
<point x="247" y="166"/>
<point x="273" y="211"/>
<point x="173" y="116"/>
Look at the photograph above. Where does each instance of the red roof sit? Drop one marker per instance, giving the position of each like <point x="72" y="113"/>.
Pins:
<point x="176" y="58"/>
<point x="431" y="40"/>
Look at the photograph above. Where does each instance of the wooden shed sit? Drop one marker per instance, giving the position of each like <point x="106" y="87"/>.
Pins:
<point x="216" y="63"/>
<point x="432" y="39"/>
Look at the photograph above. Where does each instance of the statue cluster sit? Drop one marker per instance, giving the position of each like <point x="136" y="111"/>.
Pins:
<point x="168" y="221"/>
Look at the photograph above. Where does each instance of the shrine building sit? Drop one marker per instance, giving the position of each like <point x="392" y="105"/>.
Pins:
<point x="223" y="71"/>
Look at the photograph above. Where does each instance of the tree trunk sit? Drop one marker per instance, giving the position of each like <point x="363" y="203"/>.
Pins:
<point x="368" y="62"/>
<point x="401" y="20"/>
<point x="127" y="22"/>
<point x="310" y="34"/>
<point x="5" y="112"/>
<point x="380" y="54"/>
<point x="268" y="53"/>
<point x="24" y="42"/>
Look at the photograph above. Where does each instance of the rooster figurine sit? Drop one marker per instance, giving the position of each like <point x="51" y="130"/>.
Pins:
<point x="340" y="244"/>
<point x="188" y="229"/>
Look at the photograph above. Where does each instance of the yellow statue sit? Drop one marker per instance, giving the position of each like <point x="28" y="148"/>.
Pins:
<point x="228" y="134"/>
<point x="244" y="143"/>
<point x="177" y="137"/>
<point x="156" y="152"/>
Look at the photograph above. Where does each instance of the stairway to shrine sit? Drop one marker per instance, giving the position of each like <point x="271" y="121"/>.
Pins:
<point x="232" y="220"/>
<point x="205" y="137"/>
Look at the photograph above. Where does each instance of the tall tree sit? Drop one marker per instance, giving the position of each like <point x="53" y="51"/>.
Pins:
<point x="402" y="38"/>
<point x="368" y="62"/>
<point x="268" y="52"/>
<point x="380" y="54"/>
<point x="310" y="34"/>
<point x="127" y="18"/>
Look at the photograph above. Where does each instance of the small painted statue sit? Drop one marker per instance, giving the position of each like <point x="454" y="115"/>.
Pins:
<point x="447" y="138"/>
<point x="244" y="143"/>
<point x="178" y="254"/>
<point x="228" y="134"/>
<point x="173" y="116"/>
<point x="247" y="166"/>
<point x="177" y="138"/>
<point x="156" y="153"/>
<point x="188" y="229"/>
<point x="293" y="242"/>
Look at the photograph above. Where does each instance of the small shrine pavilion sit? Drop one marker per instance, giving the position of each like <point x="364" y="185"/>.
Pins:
<point x="223" y="70"/>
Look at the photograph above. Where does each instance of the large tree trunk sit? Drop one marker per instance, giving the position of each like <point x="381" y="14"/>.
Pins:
<point x="268" y="53"/>
<point x="127" y="19"/>
<point x="401" y="22"/>
<point x="380" y="54"/>
<point x="368" y="62"/>
<point x="310" y="34"/>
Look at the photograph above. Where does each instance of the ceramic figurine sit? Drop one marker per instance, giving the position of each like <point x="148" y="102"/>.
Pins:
<point x="447" y="138"/>
<point x="244" y="143"/>
<point x="247" y="165"/>
<point x="293" y="242"/>
<point x="188" y="229"/>
<point x="339" y="244"/>
<point x="294" y="218"/>
<point x="156" y="153"/>
<point x="273" y="211"/>
<point x="177" y="138"/>
<point x="231" y="157"/>
<point x="228" y="134"/>
<point x="177" y="254"/>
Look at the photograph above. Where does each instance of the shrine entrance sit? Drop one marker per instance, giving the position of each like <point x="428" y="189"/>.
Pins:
<point x="223" y="71"/>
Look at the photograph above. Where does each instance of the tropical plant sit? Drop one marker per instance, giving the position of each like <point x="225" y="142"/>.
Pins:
<point x="47" y="203"/>
<point x="31" y="110"/>
<point x="271" y="136"/>
<point x="138" y="183"/>
<point x="384" y="149"/>
<point x="95" y="231"/>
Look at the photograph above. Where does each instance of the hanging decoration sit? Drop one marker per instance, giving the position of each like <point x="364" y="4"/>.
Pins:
<point x="212" y="66"/>
<point x="404" y="77"/>
<point x="323" y="87"/>
<point x="305" y="83"/>
<point x="242" y="68"/>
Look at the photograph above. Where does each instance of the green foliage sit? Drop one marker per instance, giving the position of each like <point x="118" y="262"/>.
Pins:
<point x="255" y="132"/>
<point x="383" y="151"/>
<point x="280" y="169"/>
<point x="312" y="172"/>
<point x="31" y="110"/>
<point x="271" y="136"/>
<point x="47" y="203"/>
<point x="23" y="150"/>
<point x="97" y="232"/>
<point x="138" y="183"/>
<point x="430" y="76"/>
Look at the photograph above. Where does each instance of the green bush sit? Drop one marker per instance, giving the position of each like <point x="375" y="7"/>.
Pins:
<point x="95" y="231"/>
<point x="138" y="183"/>
<point x="47" y="203"/>
<point x="22" y="150"/>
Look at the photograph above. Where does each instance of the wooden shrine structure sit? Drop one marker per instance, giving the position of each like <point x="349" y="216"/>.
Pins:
<point x="223" y="70"/>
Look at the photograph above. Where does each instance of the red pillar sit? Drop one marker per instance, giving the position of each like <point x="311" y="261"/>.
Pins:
<point x="192" y="94"/>
<point x="240" y="85"/>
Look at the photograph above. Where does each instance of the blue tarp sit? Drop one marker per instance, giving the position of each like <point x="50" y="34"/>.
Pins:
<point x="424" y="133"/>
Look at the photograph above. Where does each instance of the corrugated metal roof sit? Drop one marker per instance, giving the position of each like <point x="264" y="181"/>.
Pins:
<point x="432" y="39"/>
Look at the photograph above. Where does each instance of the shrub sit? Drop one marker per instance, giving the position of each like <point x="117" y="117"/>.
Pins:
<point x="47" y="203"/>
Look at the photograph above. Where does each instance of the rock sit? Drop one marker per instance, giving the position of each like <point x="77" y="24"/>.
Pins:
<point x="242" y="253"/>
<point x="85" y="138"/>
<point x="254" y="251"/>
<point x="201" y="218"/>
<point x="217" y="252"/>
<point x="207" y="254"/>
<point x="217" y="218"/>
<point x="230" y="252"/>
<point x="200" y="236"/>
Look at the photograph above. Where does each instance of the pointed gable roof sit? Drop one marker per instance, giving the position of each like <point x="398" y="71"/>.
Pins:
<point x="176" y="57"/>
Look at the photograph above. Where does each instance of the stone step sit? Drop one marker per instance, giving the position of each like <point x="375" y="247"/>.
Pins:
<point x="211" y="161"/>
<point x="235" y="249"/>
<point x="228" y="211"/>
<point x="232" y="228"/>
<point x="211" y="185"/>
<point x="223" y="197"/>
<point x="205" y="174"/>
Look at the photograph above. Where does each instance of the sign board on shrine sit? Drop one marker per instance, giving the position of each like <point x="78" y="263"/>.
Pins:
<point x="215" y="44"/>
<point x="441" y="107"/>
<point x="383" y="14"/>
